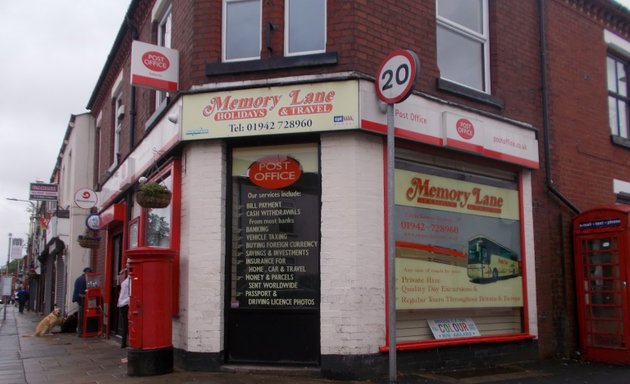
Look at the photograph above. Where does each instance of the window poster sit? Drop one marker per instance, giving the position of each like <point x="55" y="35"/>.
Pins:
<point x="458" y="241"/>
<point x="275" y="227"/>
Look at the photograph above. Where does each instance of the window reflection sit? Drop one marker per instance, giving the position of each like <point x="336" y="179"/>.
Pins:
<point x="242" y="29"/>
<point x="158" y="227"/>
<point x="306" y="26"/>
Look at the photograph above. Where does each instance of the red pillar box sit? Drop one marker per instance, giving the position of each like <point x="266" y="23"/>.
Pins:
<point x="150" y="311"/>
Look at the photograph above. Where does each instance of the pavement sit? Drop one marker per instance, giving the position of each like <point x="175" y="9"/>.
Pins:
<point x="64" y="358"/>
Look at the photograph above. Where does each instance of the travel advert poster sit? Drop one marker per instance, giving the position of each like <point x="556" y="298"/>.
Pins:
<point x="457" y="243"/>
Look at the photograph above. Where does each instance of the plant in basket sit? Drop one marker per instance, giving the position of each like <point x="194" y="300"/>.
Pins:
<point x="90" y="239"/>
<point x="153" y="195"/>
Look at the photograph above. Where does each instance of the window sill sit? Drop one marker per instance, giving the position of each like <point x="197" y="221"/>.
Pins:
<point x="271" y="64"/>
<point x="620" y="141"/>
<point x="459" y="90"/>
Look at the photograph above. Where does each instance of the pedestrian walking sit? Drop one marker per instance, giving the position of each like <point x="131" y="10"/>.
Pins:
<point x="22" y="297"/>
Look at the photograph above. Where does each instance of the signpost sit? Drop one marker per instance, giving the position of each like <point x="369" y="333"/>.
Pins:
<point x="394" y="82"/>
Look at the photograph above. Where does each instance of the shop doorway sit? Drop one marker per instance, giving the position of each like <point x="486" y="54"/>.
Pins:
<point x="601" y="240"/>
<point x="273" y="256"/>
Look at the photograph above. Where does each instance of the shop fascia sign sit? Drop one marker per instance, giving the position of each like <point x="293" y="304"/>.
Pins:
<point x="296" y="108"/>
<point x="43" y="192"/>
<point x="422" y="120"/>
<point x="154" y="67"/>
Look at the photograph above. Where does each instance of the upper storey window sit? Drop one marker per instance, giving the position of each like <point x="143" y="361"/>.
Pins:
<point x="162" y="15"/>
<point x="617" y="70"/>
<point x="117" y="118"/>
<point x="462" y="43"/>
<point x="617" y="67"/>
<point x="241" y="30"/>
<point x="164" y="29"/>
<point x="306" y="27"/>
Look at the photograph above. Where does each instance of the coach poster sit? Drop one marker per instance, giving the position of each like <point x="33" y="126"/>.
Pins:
<point x="457" y="241"/>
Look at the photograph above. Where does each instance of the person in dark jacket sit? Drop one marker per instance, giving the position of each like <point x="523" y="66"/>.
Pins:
<point x="22" y="297"/>
<point x="78" y="296"/>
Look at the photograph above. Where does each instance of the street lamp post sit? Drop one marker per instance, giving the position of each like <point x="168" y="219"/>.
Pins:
<point x="6" y="272"/>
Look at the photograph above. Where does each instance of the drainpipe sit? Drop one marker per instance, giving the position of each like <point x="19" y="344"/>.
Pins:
<point x="545" y="107"/>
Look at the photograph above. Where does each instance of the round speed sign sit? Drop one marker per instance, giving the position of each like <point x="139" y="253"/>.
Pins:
<point x="396" y="76"/>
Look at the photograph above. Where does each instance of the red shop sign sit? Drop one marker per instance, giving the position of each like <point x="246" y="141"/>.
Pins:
<point x="274" y="172"/>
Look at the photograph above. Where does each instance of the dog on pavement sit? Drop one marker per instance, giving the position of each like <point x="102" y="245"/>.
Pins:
<point x="49" y="322"/>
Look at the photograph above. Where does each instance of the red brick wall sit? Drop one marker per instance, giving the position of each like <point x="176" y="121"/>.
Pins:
<point x="583" y="161"/>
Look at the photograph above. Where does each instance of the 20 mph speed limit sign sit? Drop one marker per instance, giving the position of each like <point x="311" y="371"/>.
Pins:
<point x="396" y="76"/>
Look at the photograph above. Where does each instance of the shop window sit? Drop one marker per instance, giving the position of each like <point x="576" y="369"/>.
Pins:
<point x="462" y="43"/>
<point x="158" y="222"/>
<point x="133" y="233"/>
<point x="305" y="22"/>
<point x="459" y="255"/>
<point x="617" y="71"/>
<point x="275" y="226"/>
<point x="241" y="30"/>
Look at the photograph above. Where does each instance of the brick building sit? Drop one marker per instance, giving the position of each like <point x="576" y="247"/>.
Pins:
<point x="272" y="140"/>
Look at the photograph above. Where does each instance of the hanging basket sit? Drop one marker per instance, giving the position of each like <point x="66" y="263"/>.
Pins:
<point x="155" y="199"/>
<point x="89" y="242"/>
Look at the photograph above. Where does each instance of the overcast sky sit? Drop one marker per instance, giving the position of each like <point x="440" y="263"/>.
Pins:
<point x="52" y="54"/>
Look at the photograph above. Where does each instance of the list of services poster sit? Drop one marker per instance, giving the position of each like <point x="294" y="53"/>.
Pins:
<point x="275" y="253"/>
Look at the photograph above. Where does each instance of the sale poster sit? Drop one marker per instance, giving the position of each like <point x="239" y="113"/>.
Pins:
<point x="457" y="242"/>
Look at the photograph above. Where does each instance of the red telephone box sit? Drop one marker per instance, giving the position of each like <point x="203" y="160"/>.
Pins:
<point x="150" y="311"/>
<point x="602" y="251"/>
<point x="92" y="307"/>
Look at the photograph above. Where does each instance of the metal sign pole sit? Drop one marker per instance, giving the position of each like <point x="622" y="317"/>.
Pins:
<point x="391" y="249"/>
<point x="394" y="81"/>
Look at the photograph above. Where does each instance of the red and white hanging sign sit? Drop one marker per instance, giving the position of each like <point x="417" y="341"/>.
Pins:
<point x="154" y="67"/>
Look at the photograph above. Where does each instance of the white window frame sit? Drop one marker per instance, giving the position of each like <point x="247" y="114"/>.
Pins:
<point x="162" y="14"/>
<point x="224" y="36"/>
<point x="621" y="54"/>
<point x="99" y="130"/>
<point x="483" y="38"/>
<point x="118" y="114"/>
<point x="287" y="21"/>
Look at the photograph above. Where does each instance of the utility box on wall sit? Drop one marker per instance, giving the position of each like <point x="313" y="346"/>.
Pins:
<point x="602" y="256"/>
<point x="150" y="311"/>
